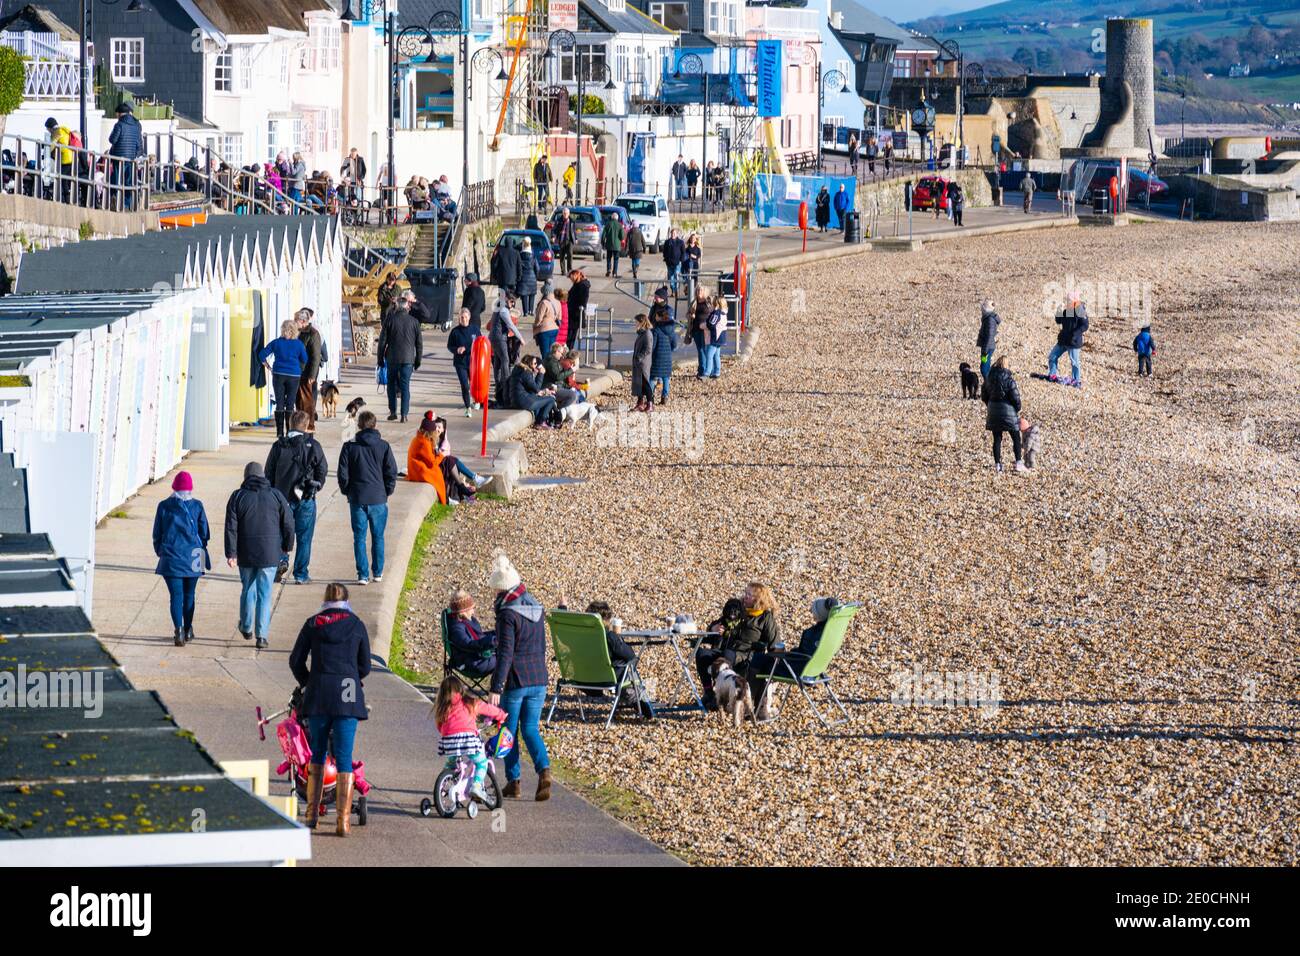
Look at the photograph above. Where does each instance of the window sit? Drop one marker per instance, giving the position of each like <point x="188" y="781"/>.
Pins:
<point x="283" y="135"/>
<point x="323" y="50"/>
<point x="593" y="58"/>
<point x="903" y="67"/>
<point x="616" y="6"/>
<point x="246" y="71"/>
<point x="675" y="16"/>
<point x="724" y="17"/>
<point x="229" y="147"/>
<point x="223" y="72"/>
<point x="127" y="58"/>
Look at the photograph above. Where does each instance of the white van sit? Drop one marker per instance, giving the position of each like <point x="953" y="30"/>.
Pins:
<point x="650" y="215"/>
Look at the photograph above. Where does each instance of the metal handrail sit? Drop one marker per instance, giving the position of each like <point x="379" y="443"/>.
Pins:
<point x="38" y="169"/>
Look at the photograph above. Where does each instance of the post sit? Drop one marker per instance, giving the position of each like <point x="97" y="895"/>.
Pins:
<point x="390" y="34"/>
<point x="86" y="27"/>
<point x="704" y="159"/>
<point x="821" y="97"/>
<point x="577" y="182"/>
<point x="464" y="105"/>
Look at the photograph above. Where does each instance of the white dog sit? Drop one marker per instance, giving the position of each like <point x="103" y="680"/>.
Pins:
<point x="732" y="692"/>
<point x="581" y="411"/>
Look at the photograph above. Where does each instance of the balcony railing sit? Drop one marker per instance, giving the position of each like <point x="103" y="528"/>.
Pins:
<point x="39" y="46"/>
<point x="51" y="80"/>
<point x="784" y="20"/>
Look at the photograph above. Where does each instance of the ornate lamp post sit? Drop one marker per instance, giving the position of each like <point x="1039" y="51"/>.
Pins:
<point x="840" y="84"/>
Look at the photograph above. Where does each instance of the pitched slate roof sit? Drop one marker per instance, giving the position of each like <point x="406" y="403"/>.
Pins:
<point x="858" y="19"/>
<point x="627" y="20"/>
<point x="253" y="17"/>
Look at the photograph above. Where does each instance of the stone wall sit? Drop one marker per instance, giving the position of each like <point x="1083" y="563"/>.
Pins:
<point x="28" y="224"/>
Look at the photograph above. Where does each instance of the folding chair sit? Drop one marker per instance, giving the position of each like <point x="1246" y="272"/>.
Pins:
<point x="583" y="656"/>
<point x="813" y="672"/>
<point x="478" y="685"/>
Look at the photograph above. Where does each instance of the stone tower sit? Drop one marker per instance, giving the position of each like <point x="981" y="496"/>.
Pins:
<point x="1128" y="98"/>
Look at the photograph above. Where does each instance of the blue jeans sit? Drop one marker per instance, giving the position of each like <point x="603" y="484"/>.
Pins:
<point x="462" y="373"/>
<point x="181" y="592"/>
<point x="660" y="378"/>
<point x="545" y="340"/>
<point x="986" y="360"/>
<point x="1056" y="353"/>
<point x="336" y="733"/>
<point x="712" y="360"/>
<point x="523" y="707"/>
<point x="372" y="518"/>
<point x="255" y="600"/>
<point x="464" y="470"/>
<point x="304" y="527"/>
<point x="399" y="382"/>
<point x="674" y="273"/>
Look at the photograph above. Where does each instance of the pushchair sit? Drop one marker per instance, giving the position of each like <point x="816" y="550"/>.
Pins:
<point x="292" y="735"/>
<point x="451" y="786"/>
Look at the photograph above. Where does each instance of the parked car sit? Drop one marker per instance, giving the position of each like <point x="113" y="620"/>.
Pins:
<point x="1139" y="180"/>
<point x="927" y="191"/>
<point x="649" y="213"/>
<point x="587" y="221"/>
<point x="543" y="252"/>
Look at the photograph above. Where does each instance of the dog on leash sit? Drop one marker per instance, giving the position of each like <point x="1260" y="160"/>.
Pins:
<point x="732" y="692"/>
<point x="329" y="399"/>
<point x="970" y="381"/>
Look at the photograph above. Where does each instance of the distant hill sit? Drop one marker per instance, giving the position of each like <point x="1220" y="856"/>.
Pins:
<point x="1193" y="39"/>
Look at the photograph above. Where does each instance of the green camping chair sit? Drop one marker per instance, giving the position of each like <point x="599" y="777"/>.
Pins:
<point x="478" y="685"/>
<point x="583" y="656"/>
<point x="813" y="673"/>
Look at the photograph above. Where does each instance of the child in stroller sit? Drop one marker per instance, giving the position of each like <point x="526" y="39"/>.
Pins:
<point x="292" y="735"/>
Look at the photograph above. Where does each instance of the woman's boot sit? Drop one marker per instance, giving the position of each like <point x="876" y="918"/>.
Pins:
<point x="178" y="638"/>
<point x="544" y="785"/>
<point x="343" y="804"/>
<point x="315" y="781"/>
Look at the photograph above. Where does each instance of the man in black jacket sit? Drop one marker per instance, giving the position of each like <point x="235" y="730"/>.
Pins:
<point x="368" y="476"/>
<point x="401" y="347"/>
<point x="311" y="340"/>
<point x="506" y="265"/>
<point x="674" y="253"/>
<point x="475" y="300"/>
<point x="542" y="181"/>
<point x="296" y="468"/>
<point x="259" y="532"/>
<point x="579" y="296"/>
<point x="1073" y="322"/>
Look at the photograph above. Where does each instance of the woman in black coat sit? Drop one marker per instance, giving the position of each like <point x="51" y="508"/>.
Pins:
<point x="1002" y="396"/>
<point x="330" y="659"/>
<point x="526" y="287"/>
<point x="823" y="209"/>
<point x="528" y="393"/>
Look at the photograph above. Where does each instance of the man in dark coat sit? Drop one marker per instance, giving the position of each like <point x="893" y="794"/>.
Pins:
<point x="296" y="467"/>
<point x="126" y="145"/>
<point x="475" y="300"/>
<point x="565" y="235"/>
<point x="679" y="176"/>
<point x="674" y="253"/>
<point x="1073" y="322"/>
<point x="367" y="474"/>
<point x="501" y="329"/>
<point x="579" y="296"/>
<point x="506" y="265"/>
<point x="823" y="209"/>
<point x="542" y="180"/>
<point x="401" y="348"/>
<point x="259" y="533"/>
<point x="988" y="335"/>
<point x="311" y="339"/>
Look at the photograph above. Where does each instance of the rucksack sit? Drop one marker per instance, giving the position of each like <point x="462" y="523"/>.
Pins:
<point x="74" y="140"/>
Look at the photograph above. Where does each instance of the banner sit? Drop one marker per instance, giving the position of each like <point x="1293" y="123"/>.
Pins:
<point x="777" y="198"/>
<point x="767" y="61"/>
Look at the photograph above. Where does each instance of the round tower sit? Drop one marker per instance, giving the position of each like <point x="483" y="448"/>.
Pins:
<point x="1130" y="58"/>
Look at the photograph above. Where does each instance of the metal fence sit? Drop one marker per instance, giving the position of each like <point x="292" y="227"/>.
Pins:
<point x="73" y="175"/>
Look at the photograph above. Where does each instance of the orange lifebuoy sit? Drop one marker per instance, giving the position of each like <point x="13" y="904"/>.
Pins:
<point x="741" y="274"/>
<point x="480" y="369"/>
<point x="803" y="215"/>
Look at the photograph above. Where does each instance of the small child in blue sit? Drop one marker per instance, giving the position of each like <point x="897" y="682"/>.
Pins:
<point x="1145" y="346"/>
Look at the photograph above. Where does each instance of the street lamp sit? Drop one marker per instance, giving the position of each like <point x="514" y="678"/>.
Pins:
<point x="952" y="48"/>
<point x="86" y="32"/>
<point x="829" y="78"/>
<point x="565" y="40"/>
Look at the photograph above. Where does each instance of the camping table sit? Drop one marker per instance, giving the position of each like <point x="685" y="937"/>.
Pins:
<point x="669" y="637"/>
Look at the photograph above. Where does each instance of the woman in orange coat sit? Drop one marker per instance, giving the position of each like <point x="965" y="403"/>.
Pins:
<point x="424" y="463"/>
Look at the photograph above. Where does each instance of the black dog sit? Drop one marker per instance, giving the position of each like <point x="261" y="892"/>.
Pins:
<point x="970" y="382"/>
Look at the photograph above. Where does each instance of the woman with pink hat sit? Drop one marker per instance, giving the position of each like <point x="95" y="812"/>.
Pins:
<point x="180" y="539"/>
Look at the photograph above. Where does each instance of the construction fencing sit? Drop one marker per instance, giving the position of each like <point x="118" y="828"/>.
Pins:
<point x="777" y="198"/>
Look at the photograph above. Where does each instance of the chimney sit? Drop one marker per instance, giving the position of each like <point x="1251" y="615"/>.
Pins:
<point x="837" y="20"/>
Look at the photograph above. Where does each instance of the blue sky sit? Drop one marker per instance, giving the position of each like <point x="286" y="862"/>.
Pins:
<point x="902" y="10"/>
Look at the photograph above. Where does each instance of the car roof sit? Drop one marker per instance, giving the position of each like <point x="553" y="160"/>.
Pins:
<point x="639" y="196"/>
<point x="530" y="233"/>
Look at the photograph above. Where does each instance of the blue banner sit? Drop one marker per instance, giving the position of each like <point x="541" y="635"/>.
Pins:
<point x="767" y="59"/>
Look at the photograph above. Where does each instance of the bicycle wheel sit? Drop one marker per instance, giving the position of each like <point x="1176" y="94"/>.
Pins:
<point x="492" y="787"/>
<point x="444" y="798"/>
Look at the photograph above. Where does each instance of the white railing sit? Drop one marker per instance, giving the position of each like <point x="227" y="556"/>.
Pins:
<point x="784" y="20"/>
<point x="39" y="46"/>
<point x="51" y="80"/>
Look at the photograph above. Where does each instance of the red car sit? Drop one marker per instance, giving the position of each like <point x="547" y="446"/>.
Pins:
<point x="927" y="191"/>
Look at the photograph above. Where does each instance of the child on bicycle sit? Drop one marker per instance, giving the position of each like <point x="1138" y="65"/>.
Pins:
<point x="456" y="715"/>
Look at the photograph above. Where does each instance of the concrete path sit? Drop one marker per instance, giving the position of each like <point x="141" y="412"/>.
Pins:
<point x="213" y="684"/>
